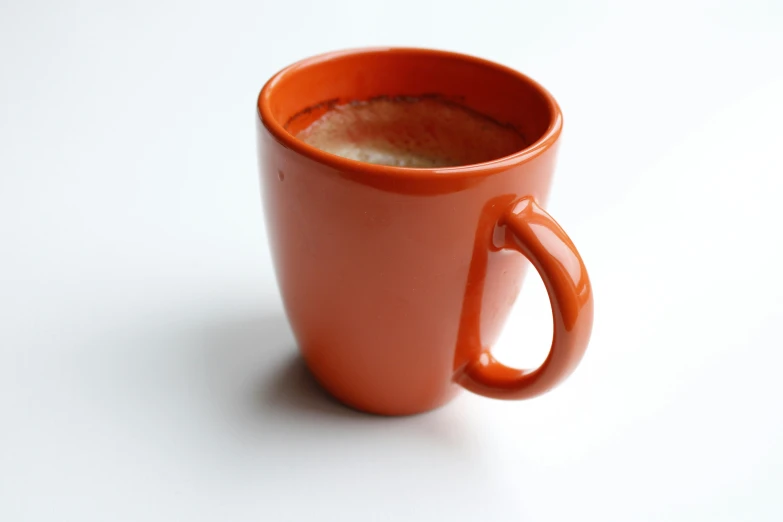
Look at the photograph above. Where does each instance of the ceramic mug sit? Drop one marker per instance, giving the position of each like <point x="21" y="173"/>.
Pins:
<point x="396" y="281"/>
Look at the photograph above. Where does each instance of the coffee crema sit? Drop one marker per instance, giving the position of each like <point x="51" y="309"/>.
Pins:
<point x="418" y="132"/>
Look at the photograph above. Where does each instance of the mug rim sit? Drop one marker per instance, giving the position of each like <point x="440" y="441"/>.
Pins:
<point x="277" y="130"/>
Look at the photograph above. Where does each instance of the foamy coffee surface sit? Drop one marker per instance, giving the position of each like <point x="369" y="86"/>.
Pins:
<point x="411" y="132"/>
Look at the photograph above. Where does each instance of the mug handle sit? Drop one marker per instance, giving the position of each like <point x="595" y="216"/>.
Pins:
<point x="531" y="231"/>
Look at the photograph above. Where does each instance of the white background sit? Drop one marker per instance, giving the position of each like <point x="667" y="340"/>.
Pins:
<point x="146" y="371"/>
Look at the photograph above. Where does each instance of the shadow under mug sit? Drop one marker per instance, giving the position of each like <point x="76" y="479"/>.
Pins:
<point x="397" y="281"/>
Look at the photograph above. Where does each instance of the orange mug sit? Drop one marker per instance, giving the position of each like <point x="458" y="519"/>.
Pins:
<point x="396" y="281"/>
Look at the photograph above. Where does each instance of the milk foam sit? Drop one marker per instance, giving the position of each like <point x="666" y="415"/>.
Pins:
<point x="411" y="132"/>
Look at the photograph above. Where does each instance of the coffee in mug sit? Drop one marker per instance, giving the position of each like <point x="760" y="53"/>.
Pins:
<point x="411" y="131"/>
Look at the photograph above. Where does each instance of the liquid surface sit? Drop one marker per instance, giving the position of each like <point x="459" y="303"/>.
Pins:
<point x="411" y="132"/>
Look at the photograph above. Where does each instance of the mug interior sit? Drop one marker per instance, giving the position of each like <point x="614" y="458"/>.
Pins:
<point x="301" y="93"/>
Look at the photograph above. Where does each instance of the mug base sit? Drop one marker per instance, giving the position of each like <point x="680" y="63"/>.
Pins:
<point x="384" y="410"/>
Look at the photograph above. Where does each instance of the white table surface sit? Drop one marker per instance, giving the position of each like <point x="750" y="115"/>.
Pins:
<point x="146" y="370"/>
